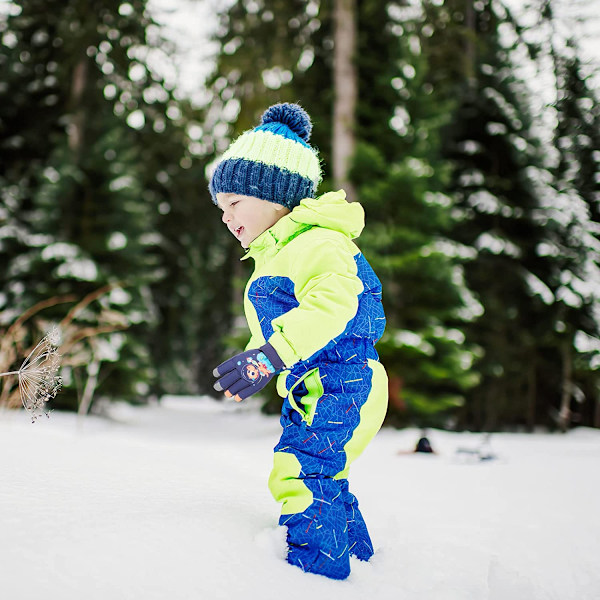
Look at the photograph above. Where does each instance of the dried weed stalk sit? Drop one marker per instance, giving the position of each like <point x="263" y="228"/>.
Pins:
<point x="38" y="376"/>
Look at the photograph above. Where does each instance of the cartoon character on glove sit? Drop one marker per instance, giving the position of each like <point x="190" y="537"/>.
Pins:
<point x="246" y="373"/>
<point x="256" y="368"/>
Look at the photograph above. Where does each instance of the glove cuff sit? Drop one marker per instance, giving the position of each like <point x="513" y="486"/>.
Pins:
<point x="272" y="355"/>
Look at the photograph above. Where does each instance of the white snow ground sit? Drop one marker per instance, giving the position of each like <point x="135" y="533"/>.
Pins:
<point x="171" y="502"/>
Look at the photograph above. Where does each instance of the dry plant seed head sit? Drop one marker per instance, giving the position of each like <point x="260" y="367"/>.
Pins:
<point x="54" y="337"/>
<point x="39" y="380"/>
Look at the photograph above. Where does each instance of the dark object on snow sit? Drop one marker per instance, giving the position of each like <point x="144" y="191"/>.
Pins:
<point x="423" y="445"/>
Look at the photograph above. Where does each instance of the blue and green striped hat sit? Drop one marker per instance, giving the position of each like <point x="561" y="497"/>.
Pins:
<point x="273" y="161"/>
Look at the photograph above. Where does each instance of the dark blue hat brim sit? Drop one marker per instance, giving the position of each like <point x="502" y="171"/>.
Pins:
<point x="267" y="182"/>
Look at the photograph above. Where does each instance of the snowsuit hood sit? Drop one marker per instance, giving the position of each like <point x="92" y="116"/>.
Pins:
<point x="331" y="211"/>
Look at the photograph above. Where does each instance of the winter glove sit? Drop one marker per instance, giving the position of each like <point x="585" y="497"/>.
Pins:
<point x="246" y="373"/>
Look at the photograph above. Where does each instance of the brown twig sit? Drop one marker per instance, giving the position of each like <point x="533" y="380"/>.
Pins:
<point x="89" y="332"/>
<point x="85" y="302"/>
<point x="37" y="308"/>
<point x="74" y="333"/>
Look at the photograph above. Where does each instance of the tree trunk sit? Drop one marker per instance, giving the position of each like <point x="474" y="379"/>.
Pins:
<point x="531" y="393"/>
<point x="345" y="81"/>
<point x="564" y="414"/>
<point x="90" y="387"/>
<point x="76" y="126"/>
<point x="470" y="37"/>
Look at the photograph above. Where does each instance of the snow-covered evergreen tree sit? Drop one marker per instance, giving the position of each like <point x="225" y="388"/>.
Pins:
<point x="573" y="218"/>
<point x="401" y="179"/>
<point x="94" y="146"/>
<point x="494" y="151"/>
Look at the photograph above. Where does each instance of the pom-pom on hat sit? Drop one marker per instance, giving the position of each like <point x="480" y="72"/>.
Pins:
<point x="273" y="161"/>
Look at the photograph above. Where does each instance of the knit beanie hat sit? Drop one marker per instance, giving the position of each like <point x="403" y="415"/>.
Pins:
<point x="273" y="161"/>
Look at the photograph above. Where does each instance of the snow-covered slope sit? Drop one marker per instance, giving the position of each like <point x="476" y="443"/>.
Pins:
<point x="171" y="502"/>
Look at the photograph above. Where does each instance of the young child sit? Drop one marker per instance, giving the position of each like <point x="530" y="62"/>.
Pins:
<point x="313" y="305"/>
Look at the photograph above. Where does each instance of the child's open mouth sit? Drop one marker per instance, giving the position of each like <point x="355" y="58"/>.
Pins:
<point x="239" y="231"/>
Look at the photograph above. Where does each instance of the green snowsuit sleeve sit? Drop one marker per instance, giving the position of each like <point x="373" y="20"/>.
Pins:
<point x="327" y="287"/>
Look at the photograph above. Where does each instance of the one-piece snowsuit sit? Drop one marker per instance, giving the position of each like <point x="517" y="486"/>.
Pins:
<point x="316" y="300"/>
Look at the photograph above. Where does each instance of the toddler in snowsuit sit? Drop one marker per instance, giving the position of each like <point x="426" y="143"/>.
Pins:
<point x="313" y="305"/>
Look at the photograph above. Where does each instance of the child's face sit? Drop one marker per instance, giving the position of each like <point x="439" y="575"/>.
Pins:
<point x="247" y="217"/>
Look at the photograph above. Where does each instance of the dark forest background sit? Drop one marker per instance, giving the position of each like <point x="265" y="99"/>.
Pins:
<point x="471" y="139"/>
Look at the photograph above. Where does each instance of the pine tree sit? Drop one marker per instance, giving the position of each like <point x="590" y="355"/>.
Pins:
<point x="103" y="147"/>
<point x="498" y="180"/>
<point x="401" y="179"/>
<point x="574" y="338"/>
<point x="28" y="98"/>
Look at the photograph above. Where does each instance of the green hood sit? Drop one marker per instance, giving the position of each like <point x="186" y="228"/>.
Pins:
<point x="330" y="211"/>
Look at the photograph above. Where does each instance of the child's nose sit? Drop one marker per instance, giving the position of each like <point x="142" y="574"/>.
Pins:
<point x="225" y="217"/>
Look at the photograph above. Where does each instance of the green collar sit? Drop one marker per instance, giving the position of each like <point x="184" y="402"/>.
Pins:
<point x="331" y="211"/>
<point x="269" y="242"/>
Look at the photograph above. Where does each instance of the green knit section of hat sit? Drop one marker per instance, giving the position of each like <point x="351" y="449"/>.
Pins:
<point x="271" y="149"/>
